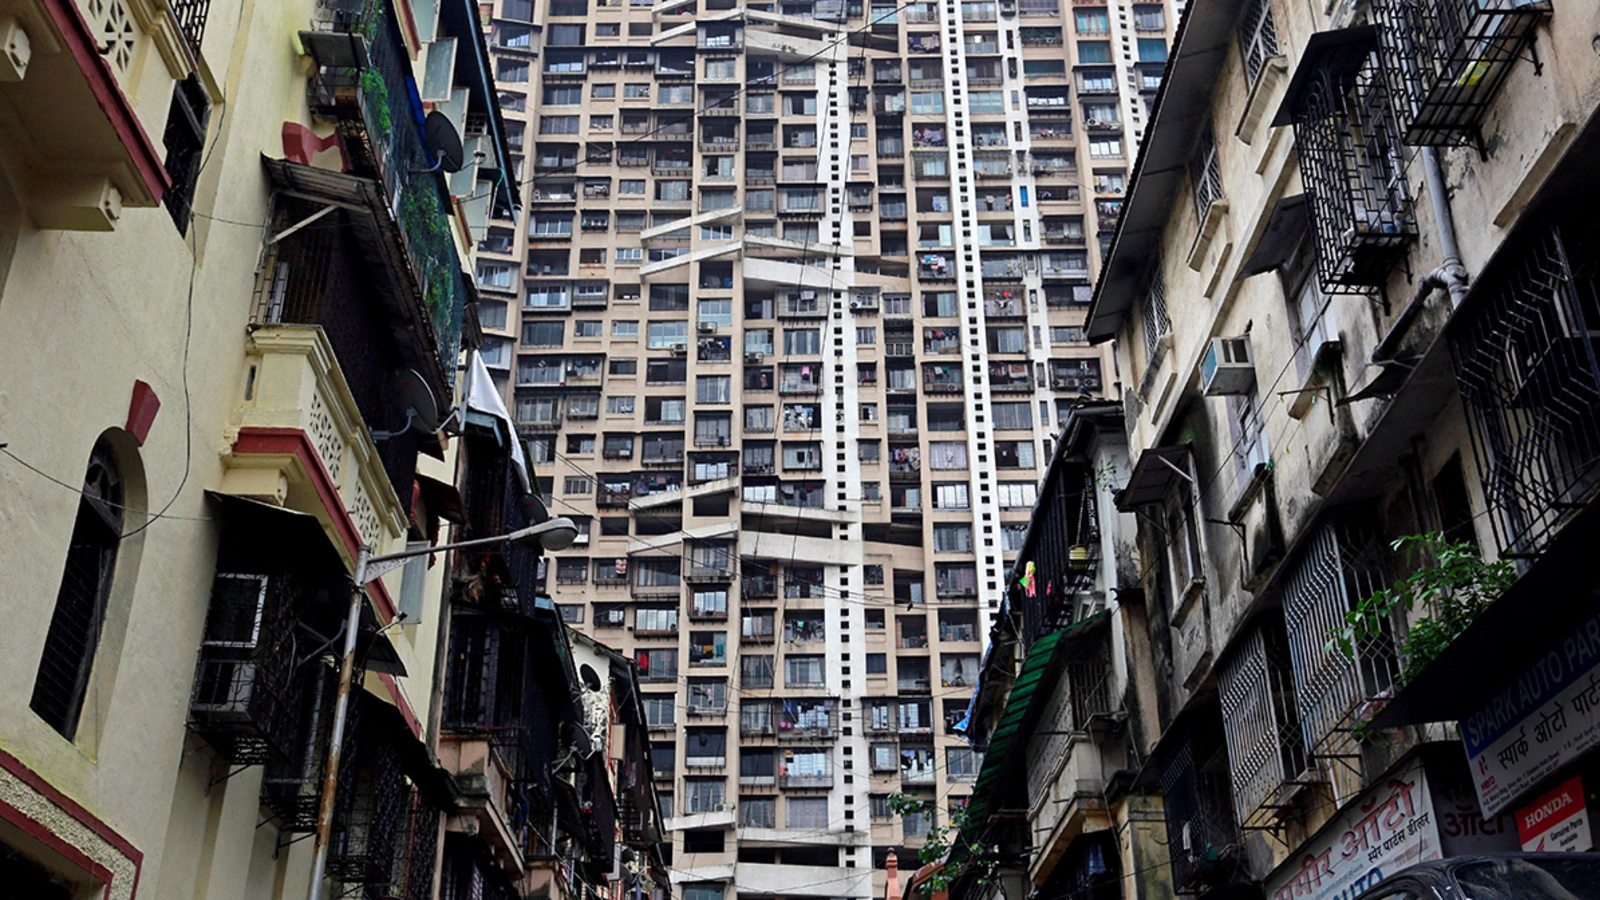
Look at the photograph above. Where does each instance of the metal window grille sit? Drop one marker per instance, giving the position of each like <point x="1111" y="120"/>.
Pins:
<point x="1205" y="174"/>
<point x="290" y="787"/>
<point x="422" y="851"/>
<point x="1154" y="314"/>
<point x="191" y="16"/>
<point x="1202" y="837"/>
<point x="1258" y="39"/>
<point x="74" y="634"/>
<point x="1446" y="61"/>
<point x="1526" y="364"/>
<point x="1082" y="693"/>
<point x="1261" y="722"/>
<point x="1351" y="162"/>
<point x="370" y="802"/>
<point x="1345" y="562"/>
<point x="243" y="701"/>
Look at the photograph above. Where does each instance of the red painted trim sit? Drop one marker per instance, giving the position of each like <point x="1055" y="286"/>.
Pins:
<point x="295" y="442"/>
<point x="401" y="704"/>
<point x="113" y="103"/>
<point x="50" y="839"/>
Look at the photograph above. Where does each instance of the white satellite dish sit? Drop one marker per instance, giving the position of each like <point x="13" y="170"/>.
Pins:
<point x="422" y="409"/>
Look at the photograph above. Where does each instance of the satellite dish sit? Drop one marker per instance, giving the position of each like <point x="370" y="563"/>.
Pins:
<point x="443" y="142"/>
<point x="422" y="410"/>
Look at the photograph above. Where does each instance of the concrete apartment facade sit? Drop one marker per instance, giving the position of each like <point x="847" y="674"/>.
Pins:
<point x="1352" y="295"/>
<point x="793" y="310"/>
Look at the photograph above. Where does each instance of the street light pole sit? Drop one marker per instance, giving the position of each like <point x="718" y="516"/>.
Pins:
<point x="553" y="534"/>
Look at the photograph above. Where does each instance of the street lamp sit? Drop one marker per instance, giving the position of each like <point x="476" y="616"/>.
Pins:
<point x="551" y="534"/>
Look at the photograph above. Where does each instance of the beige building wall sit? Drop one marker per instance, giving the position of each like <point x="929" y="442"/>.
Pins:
<point x="100" y="292"/>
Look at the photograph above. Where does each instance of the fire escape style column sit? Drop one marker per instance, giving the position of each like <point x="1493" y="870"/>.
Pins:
<point x="974" y="350"/>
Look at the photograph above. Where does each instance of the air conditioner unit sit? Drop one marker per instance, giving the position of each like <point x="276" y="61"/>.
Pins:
<point x="855" y="305"/>
<point x="754" y="357"/>
<point x="1227" y="367"/>
<point x="706" y="328"/>
<point x="680" y="350"/>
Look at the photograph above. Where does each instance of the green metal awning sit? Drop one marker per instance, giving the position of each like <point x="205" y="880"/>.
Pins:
<point x="1036" y="678"/>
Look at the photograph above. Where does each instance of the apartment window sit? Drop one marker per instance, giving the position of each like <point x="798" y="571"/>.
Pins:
<point x="67" y="661"/>
<point x="806" y="812"/>
<point x="1017" y="494"/>
<point x="1105" y="148"/>
<point x="961" y="762"/>
<point x="589" y="329"/>
<point x="1013" y="415"/>
<point x="1091" y="21"/>
<point x="800" y="671"/>
<point x="952" y="537"/>
<point x="513" y="71"/>
<point x="713" y="389"/>
<point x="657" y="664"/>
<point x="758" y="812"/>
<point x="755" y="671"/>
<point x="721" y="69"/>
<point x="543" y="334"/>
<point x="1094" y="52"/>
<point x="950" y="495"/>
<point x="636" y="92"/>
<point x="580" y="443"/>
<point x="1153" y="311"/>
<point x="660" y="621"/>
<point x="561" y="95"/>
<point x="947" y="455"/>
<point x="1205" y="174"/>
<point x="558" y="124"/>
<point x="866" y="336"/>
<point x="1152" y="50"/>
<point x="927" y="102"/>
<point x="625" y="330"/>
<point x="758" y="418"/>
<point x="619" y="406"/>
<point x="802" y="341"/>
<point x="1008" y="340"/>
<point x="663" y="335"/>
<point x="877" y="664"/>
<point x="660" y="710"/>
<point x="703" y="795"/>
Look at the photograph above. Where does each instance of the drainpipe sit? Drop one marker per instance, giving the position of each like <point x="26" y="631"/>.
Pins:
<point x="1451" y="275"/>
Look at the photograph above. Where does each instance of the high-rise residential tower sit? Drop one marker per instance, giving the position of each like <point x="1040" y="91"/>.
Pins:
<point x="789" y="317"/>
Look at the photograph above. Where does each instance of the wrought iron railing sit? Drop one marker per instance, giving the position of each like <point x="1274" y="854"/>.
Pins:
<point x="1063" y="553"/>
<point x="1352" y="163"/>
<point x="191" y="16"/>
<point x="1447" y="59"/>
<point x="371" y="803"/>
<point x="1527" y="362"/>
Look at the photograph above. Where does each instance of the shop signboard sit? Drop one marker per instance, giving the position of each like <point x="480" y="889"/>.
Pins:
<point x="1546" y="717"/>
<point x="1404" y="818"/>
<point x="1557" y="821"/>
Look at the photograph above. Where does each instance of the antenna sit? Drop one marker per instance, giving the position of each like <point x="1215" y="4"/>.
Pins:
<point x="443" y="142"/>
<point x="422" y="410"/>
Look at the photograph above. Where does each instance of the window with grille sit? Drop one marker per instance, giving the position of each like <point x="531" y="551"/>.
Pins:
<point x="1345" y="562"/>
<point x="806" y="812"/>
<point x="1261" y="720"/>
<point x="756" y="671"/>
<point x="184" y="139"/>
<point x="1352" y="163"/>
<point x="703" y="795"/>
<point x="1258" y="39"/>
<point x="75" y="625"/>
<point x="758" y="812"/>
<point x="1153" y="312"/>
<point x="1205" y="175"/>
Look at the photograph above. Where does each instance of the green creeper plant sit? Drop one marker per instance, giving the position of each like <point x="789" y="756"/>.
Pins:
<point x="1452" y="586"/>
<point x="940" y="840"/>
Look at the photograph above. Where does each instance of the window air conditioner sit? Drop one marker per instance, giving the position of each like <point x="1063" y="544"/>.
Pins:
<point x="680" y="349"/>
<point x="707" y="328"/>
<point x="754" y="357"/>
<point x="1227" y="367"/>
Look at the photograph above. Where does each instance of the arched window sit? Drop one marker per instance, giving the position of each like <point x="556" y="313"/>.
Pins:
<point x="69" y="647"/>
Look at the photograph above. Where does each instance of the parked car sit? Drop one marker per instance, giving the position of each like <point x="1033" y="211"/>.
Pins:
<point x="1496" y="876"/>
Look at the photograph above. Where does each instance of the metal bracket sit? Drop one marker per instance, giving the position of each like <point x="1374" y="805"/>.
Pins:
<point x="1324" y="391"/>
<point x="301" y="224"/>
